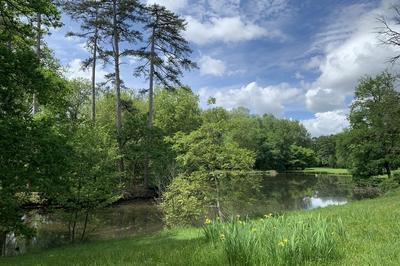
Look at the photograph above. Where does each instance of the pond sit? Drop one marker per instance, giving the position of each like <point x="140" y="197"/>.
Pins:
<point x="280" y="193"/>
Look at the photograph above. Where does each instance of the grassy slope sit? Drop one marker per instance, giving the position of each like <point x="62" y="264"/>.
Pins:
<point x="372" y="226"/>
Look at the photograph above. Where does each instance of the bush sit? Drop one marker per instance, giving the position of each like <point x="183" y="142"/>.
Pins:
<point x="278" y="241"/>
<point x="367" y="192"/>
<point x="389" y="184"/>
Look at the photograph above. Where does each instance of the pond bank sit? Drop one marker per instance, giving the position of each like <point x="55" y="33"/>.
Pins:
<point x="372" y="228"/>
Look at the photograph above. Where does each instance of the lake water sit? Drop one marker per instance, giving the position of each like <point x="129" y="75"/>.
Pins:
<point x="281" y="192"/>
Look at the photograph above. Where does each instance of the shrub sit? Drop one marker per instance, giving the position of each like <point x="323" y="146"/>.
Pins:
<point x="368" y="192"/>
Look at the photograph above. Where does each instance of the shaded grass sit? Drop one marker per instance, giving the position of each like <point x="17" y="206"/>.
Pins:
<point x="372" y="238"/>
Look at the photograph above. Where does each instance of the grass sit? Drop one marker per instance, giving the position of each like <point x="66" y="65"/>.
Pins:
<point x="326" y="170"/>
<point x="282" y="240"/>
<point x="372" y="238"/>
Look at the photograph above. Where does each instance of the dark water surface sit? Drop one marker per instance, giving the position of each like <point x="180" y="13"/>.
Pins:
<point x="280" y="193"/>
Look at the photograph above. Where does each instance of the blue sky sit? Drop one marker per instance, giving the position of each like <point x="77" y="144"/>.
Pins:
<point x="294" y="59"/>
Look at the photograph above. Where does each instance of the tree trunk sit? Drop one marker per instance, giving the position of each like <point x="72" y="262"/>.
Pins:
<point x="151" y="110"/>
<point x="85" y="225"/>
<point x="117" y="85"/>
<point x="72" y="237"/>
<point x="35" y="104"/>
<point x="388" y="170"/>
<point x="94" y="76"/>
<point x="218" y="205"/>
<point x="3" y="239"/>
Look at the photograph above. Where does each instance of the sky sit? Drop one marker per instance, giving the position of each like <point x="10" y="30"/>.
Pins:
<point x="294" y="59"/>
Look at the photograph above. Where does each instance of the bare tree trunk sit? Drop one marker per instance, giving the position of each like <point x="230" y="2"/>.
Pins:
<point x="3" y="239"/>
<point x="85" y="225"/>
<point x="74" y="226"/>
<point x="388" y="170"/>
<point x="117" y="85"/>
<point x="218" y="205"/>
<point x="35" y="104"/>
<point x="94" y="76"/>
<point x="151" y="110"/>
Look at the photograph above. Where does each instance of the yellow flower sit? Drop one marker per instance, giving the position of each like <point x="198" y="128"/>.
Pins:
<point x="269" y="215"/>
<point x="207" y="221"/>
<point x="222" y="237"/>
<point x="283" y="242"/>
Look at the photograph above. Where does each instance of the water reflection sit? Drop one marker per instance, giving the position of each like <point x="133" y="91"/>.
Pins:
<point x="315" y="202"/>
<point x="278" y="193"/>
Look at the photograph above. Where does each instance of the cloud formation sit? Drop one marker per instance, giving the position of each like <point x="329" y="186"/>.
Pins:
<point x="258" y="99"/>
<point x="211" y="66"/>
<point x="327" y="123"/>
<point x="227" y="30"/>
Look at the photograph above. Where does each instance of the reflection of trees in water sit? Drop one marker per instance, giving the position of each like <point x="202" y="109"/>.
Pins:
<point x="288" y="190"/>
<point x="333" y="186"/>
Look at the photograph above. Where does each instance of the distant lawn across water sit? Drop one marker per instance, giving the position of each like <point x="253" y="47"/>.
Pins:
<point x="324" y="170"/>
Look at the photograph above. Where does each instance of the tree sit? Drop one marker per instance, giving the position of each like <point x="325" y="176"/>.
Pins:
<point x="165" y="54"/>
<point x="207" y="158"/>
<point x="325" y="150"/>
<point x="119" y="18"/>
<point x="176" y="110"/>
<point x="87" y="12"/>
<point x="91" y="180"/>
<point x="375" y="126"/>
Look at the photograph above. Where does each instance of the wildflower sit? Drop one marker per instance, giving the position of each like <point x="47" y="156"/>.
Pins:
<point x="269" y="215"/>
<point x="238" y="216"/>
<point x="207" y="221"/>
<point x="285" y="240"/>
<point x="281" y="244"/>
<point x="222" y="237"/>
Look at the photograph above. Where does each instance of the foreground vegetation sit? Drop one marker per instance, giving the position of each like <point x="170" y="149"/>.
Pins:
<point x="371" y="227"/>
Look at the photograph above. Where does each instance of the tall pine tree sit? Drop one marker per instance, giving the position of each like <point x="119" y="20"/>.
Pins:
<point x="88" y="13"/>
<point x="119" y="18"/>
<point x="165" y="55"/>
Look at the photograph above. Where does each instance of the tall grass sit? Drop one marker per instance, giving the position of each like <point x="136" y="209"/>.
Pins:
<point x="277" y="240"/>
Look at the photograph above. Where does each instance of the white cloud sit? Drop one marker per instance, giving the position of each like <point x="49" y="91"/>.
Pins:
<point x="75" y="71"/>
<point x="348" y="57"/>
<point x="327" y="123"/>
<point x="174" y="5"/>
<point x="211" y="66"/>
<point x="227" y="29"/>
<point x="321" y="99"/>
<point x="260" y="100"/>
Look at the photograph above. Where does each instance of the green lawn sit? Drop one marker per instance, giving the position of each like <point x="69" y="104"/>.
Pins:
<point x="327" y="170"/>
<point x="372" y="228"/>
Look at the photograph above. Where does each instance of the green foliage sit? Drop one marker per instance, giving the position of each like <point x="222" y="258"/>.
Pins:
<point x="176" y="110"/>
<point x="301" y="157"/>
